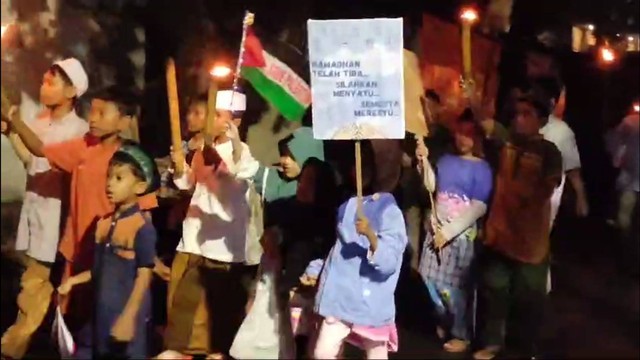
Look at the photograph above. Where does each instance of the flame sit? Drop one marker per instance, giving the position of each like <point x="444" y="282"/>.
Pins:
<point x="469" y="15"/>
<point x="220" y="71"/>
<point x="607" y="55"/>
<point x="636" y="107"/>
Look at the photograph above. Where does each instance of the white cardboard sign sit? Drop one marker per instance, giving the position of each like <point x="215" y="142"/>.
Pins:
<point x="357" y="85"/>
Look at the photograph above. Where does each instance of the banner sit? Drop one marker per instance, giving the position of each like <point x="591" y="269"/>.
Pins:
<point x="357" y="86"/>
<point x="442" y="66"/>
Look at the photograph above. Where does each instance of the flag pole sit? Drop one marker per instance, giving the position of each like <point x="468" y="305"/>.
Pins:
<point x="247" y="21"/>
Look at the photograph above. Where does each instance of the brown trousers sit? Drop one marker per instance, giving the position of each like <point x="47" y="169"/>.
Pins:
<point x="205" y="305"/>
<point x="33" y="303"/>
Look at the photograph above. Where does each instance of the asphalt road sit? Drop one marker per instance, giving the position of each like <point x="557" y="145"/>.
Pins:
<point x="593" y="310"/>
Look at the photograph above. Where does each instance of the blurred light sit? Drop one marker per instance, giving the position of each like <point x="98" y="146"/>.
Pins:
<point x="607" y="55"/>
<point x="618" y="35"/>
<point x="469" y="15"/>
<point x="630" y="38"/>
<point x="636" y="107"/>
<point x="4" y="28"/>
<point x="591" y="27"/>
<point x="220" y="71"/>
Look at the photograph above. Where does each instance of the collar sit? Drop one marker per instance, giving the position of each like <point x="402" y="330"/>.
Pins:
<point x="128" y="212"/>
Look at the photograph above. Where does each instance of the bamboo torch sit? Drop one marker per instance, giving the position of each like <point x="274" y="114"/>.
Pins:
<point x="174" y="112"/>
<point x="468" y="17"/>
<point x="6" y="104"/>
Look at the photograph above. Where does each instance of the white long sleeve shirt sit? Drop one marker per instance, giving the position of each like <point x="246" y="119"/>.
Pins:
<point x="217" y="223"/>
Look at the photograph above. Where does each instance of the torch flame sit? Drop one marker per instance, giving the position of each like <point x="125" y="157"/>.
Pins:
<point x="636" y="107"/>
<point x="607" y="55"/>
<point x="469" y="15"/>
<point x="220" y="71"/>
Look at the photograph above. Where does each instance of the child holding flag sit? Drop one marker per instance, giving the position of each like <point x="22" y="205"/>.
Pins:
<point x="212" y="252"/>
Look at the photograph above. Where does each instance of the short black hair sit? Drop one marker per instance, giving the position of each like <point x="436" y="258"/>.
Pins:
<point x="540" y="102"/>
<point x="198" y="99"/>
<point x="126" y="99"/>
<point x="433" y="96"/>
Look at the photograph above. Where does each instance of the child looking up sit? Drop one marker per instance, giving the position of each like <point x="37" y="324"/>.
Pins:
<point x="123" y="261"/>
<point x="45" y="198"/>
<point x="356" y="289"/>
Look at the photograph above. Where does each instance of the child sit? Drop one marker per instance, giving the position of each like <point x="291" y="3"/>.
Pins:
<point x="123" y="261"/>
<point x="516" y="261"/>
<point x="212" y="252"/>
<point x="464" y="184"/>
<point x="45" y="197"/>
<point x="87" y="160"/>
<point x="356" y="288"/>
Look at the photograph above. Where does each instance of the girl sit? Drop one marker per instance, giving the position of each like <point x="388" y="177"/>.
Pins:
<point x="464" y="183"/>
<point x="356" y="289"/>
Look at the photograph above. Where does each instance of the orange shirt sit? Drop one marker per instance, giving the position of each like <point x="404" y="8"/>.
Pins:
<point x="87" y="159"/>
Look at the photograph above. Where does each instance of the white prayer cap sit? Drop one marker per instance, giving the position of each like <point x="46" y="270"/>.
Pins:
<point x="74" y="70"/>
<point x="231" y="100"/>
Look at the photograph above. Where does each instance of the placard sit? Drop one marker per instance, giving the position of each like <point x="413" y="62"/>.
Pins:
<point x="357" y="85"/>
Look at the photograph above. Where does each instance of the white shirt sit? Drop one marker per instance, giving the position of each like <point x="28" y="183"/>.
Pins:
<point x="561" y="135"/>
<point x="220" y="231"/>
<point x="39" y="226"/>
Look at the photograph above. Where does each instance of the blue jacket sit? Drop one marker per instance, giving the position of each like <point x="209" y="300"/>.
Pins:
<point x="356" y="286"/>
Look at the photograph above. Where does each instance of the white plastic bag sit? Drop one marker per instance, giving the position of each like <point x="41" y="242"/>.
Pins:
<point x="62" y="336"/>
<point x="263" y="333"/>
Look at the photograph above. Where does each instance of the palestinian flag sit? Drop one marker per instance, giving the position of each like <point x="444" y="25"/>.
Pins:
<point x="274" y="80"/>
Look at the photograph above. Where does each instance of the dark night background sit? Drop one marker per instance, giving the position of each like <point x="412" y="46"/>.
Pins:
<point x="594" y="309"/>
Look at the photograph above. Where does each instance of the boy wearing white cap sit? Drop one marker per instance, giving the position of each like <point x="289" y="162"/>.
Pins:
<point x="206" y="302"/>
<point x="46" y="192"/>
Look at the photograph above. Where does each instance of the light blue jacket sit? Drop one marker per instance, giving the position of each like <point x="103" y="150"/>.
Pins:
<point x="356" y="286"/>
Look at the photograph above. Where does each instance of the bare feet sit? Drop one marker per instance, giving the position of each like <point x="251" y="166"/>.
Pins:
<point x="456" y="346"/>
<point x="487" y="353"/>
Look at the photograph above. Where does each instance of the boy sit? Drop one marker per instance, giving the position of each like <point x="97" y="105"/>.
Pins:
<point x="46" y="192"/>
<point x="87" y="160"/>
<point x="124" y="259"/>
<point x="212" y="252"/>
<point x="517" y="231"/>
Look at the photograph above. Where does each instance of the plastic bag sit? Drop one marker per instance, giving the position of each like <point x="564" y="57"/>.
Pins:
<point x="264" y="333"/>
<point x="62" y="336"/>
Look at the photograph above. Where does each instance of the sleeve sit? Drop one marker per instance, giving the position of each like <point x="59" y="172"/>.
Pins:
<point x="247" y="167"/>
<point x="66" y="155"/>
<point x="482" y="183"/>
<point x="314" y="268"/>
<point x="392" y="240"/>
<point x="475" y="211"/>
<point x="569" y="150"/>
<point x="185" y="180"/>
<point x="145" y="246"/>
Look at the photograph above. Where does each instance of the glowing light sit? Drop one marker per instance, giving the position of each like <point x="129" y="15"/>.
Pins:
<point x="630" y="38"/>
<point x="636" y="107"/>
<point x="4" y="28"/>
<point x="591" y="27"/>
<point x="469" y="15"/>
<point x="220" y="71"/>
<point x="607" y="55"/>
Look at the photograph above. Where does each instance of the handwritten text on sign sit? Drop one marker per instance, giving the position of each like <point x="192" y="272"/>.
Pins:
<point x="357" y="78"/>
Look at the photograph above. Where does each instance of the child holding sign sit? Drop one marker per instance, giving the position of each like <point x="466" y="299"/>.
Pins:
<point x="357" y="285"/>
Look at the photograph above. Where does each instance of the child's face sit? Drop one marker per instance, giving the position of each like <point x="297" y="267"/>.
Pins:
<point x="526" y="121"/>
<point x="221" y="124"/>
<point x="105" y="118"/>
<point x="122" y="184"/>
<point x="464" y="143"/>
<point x="196" y="117"/>
<point x="54" y="90"/>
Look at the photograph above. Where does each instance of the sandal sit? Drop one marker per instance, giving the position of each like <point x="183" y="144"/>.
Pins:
<point x="488" y="353"/>
<point x="456" y="346"/>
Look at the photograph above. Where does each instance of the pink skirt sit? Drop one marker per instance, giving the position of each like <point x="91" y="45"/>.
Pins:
<point x="387" y="333"/>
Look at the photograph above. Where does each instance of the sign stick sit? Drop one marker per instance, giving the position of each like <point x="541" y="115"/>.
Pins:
<point x="359" y="179"/>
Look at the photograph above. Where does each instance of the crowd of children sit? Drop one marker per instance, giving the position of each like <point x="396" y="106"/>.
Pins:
<point x="338" y="256"/>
